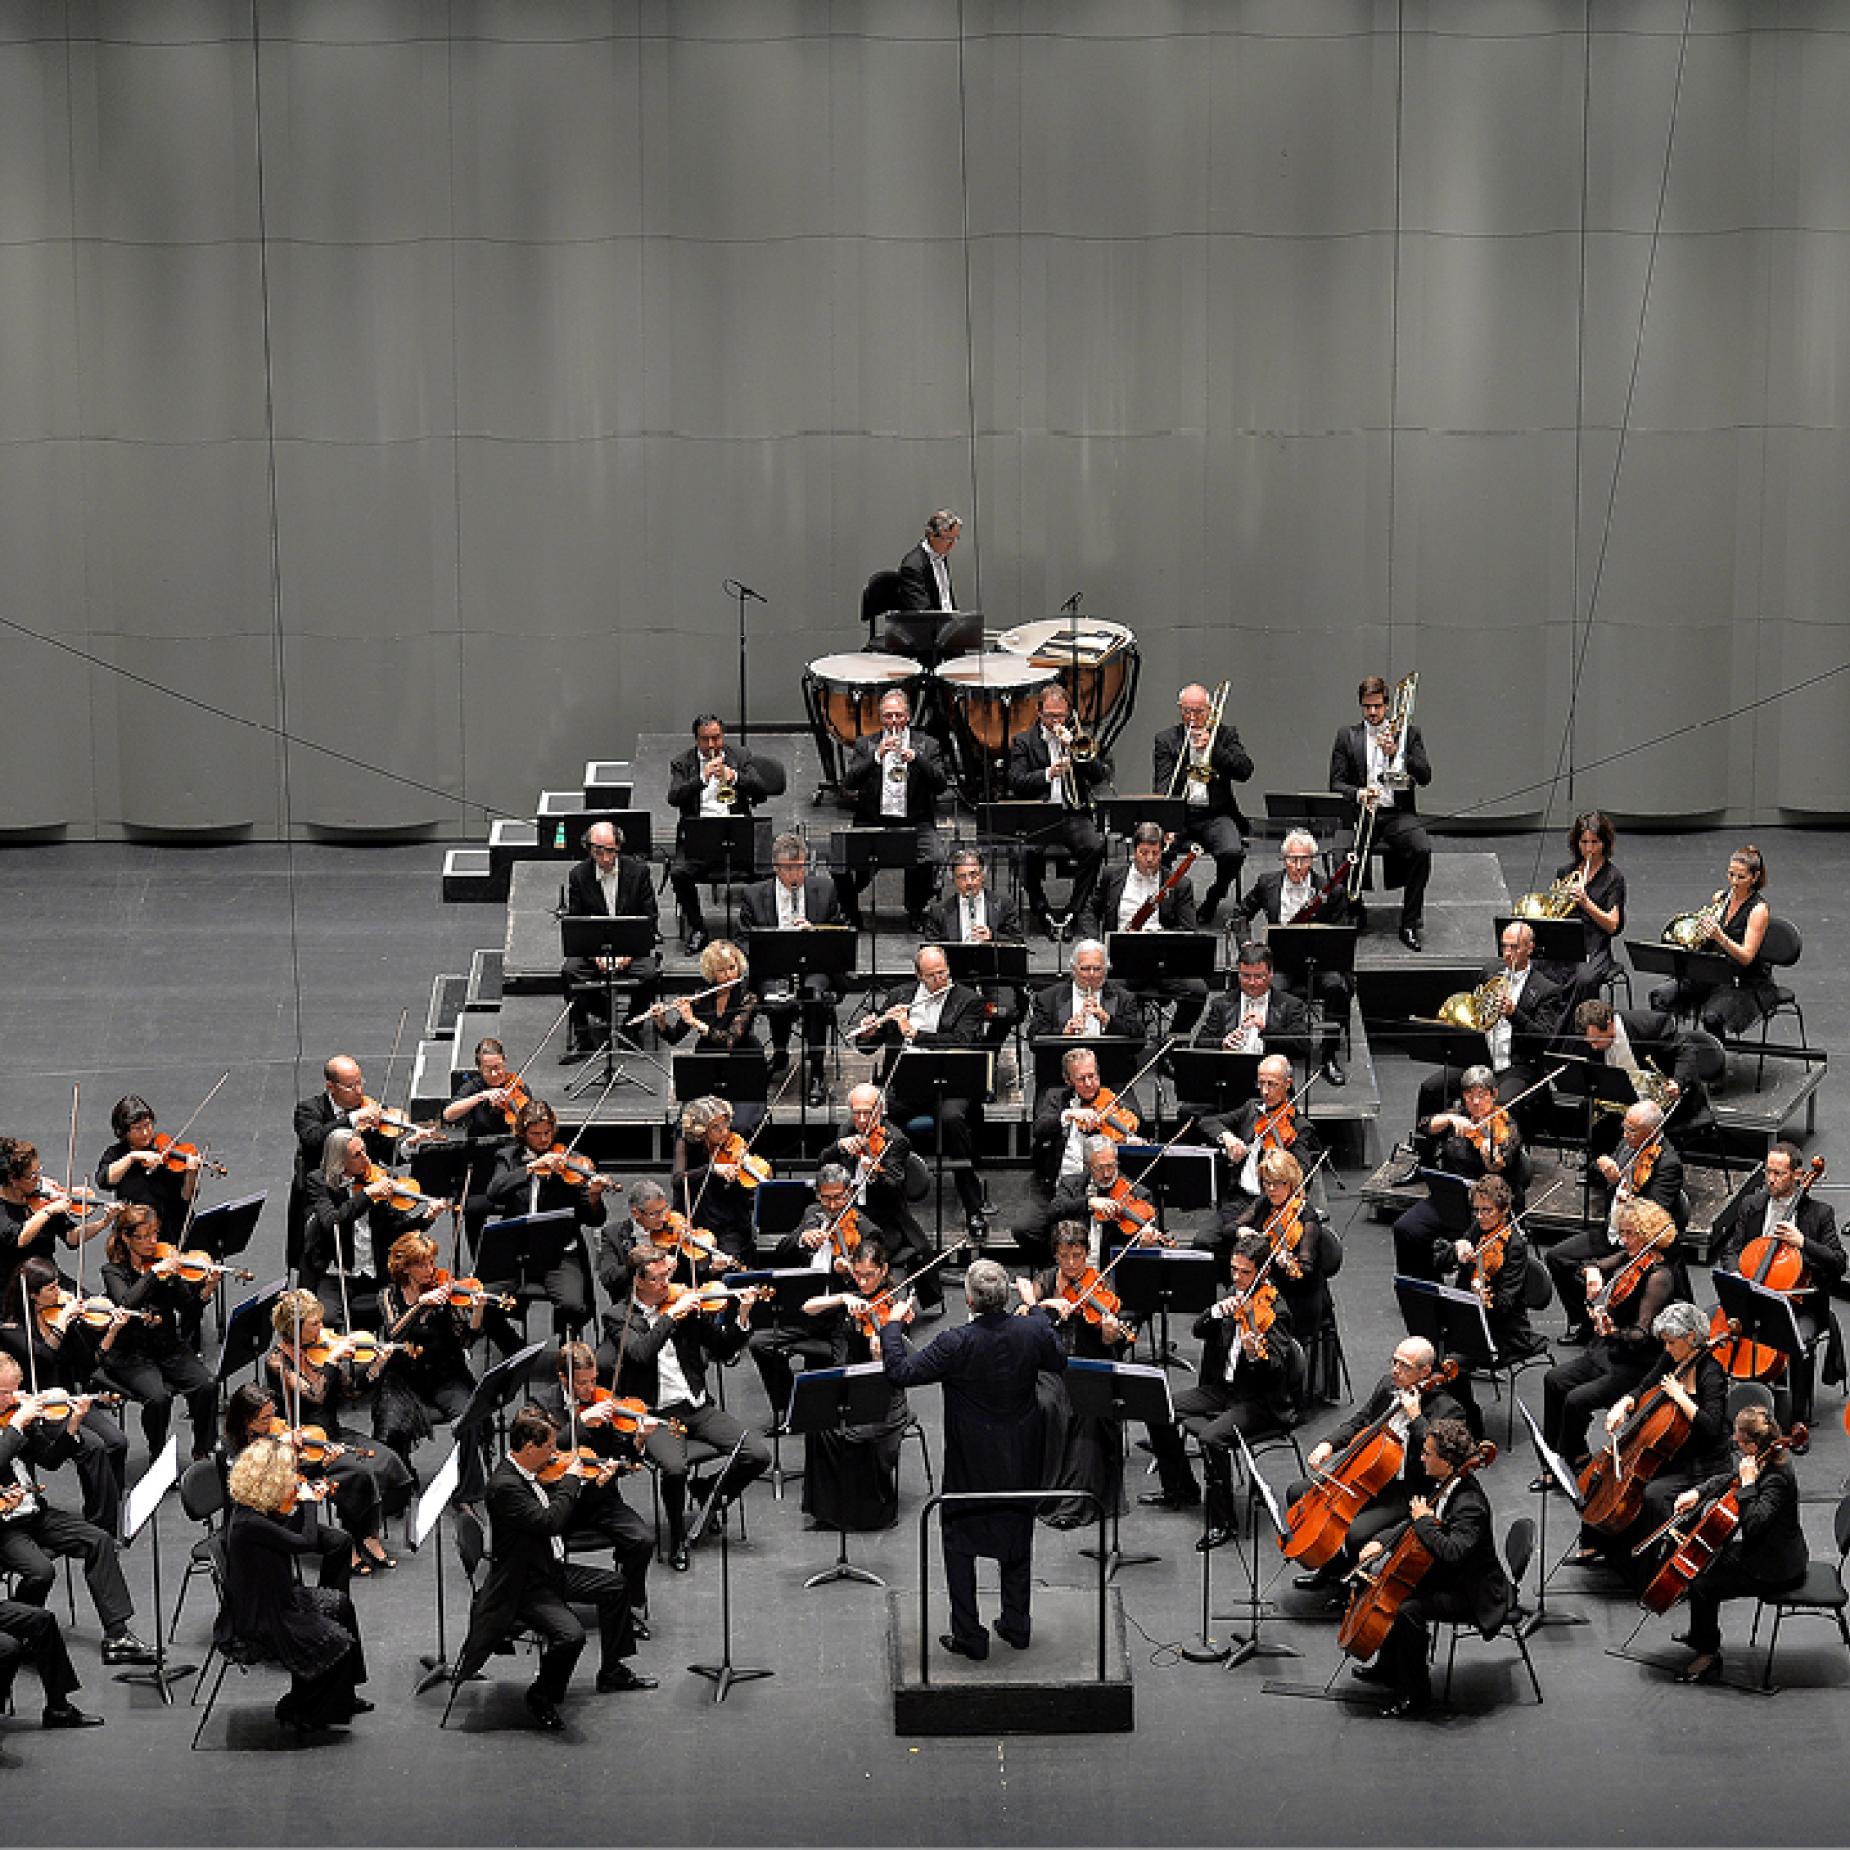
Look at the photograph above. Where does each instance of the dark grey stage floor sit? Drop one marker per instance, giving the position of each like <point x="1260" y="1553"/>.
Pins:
<point x="155" y="970"/>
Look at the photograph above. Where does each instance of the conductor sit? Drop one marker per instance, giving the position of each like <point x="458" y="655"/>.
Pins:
<point x="992" y="1441"/>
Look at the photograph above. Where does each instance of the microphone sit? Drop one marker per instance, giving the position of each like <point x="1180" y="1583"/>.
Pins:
<point x="1071" y="606"/>
<point x="733" y="588"/>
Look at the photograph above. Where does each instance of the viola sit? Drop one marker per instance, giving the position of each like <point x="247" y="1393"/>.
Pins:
<point x="880" y="1311"/>
<point x="517" y="1099"/>
<point x="1490" y="1137"/>
<point x="1317" y="1524"/>
<point x="181" y="1157"/>
<point x="1254" y="1313"/>
<point x="711" y="1296"/>
<point x="735" y="1154"/>
<point x="627" y="1412"/>
<point x="1177" y="874"/>
<point x="1635" y="1170"/>
<point x="405" y="1195"/>
<point x="93" y="1313"/>
<point x="1114" y="1117"/>
<point x="82" y="1200"/>
<point x="1128" y="1214"/>
<point x="1378" y="1600"/>
<point x="196" y="1265"/>
<point x="1776" y="1266"/>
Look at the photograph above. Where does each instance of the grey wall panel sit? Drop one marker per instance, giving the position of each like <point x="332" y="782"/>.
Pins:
<point x="35" y="136"/>
<point x="38" y="355"/>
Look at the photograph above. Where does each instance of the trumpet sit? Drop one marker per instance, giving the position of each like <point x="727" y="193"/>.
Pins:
<point x="897" y="763"/>
<point x="1689" y="930"/>
<point x="725" y="790"/>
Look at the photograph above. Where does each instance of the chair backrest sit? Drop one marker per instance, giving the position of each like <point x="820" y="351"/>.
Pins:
<point x="1538" y="1289"/>
<point x="1297" y="1380"/>
<point x="202" y="1489"/>
<point x="1781" y="943"/>
<point x="471" y="1541"/>
<point x="1748" y="1394"/>
<point x="1331" y="1246"/>
<point x="1711" y="1059"/>
<point x="879" y="595"/>
<point x="1840" y="1526"/>
<point x="1519" y="1549"/>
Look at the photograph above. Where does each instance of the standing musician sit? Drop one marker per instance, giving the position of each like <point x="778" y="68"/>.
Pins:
<point x="895" y="777"/>
<point x="418" y="1391"/>
<point x="1084" y="1451"/>
<point x="925" y="572"/>
<point x="1249" y="1361"/>
<point x="935" y="1014"/>
<point x="1492" y="1257"/>
<point x="531" y="1583"/>
<point x="36" y="1214"/>
<point x="35" y="1533"/>
<point x="1123" y="892"/>
<point x="1268" y="1122"/>
<point x="851" y="1473"/>
<point x="1065" y="1118"/>
<point x="1733" y="924"/>
<point x="532" y="1176"/>
<point x="1465" y="1583"/>
<point x="133" y="1170"/>
<point x="1480" y="1138"/>
<point x="341" y="1104"/>
<point x="1041" y="766"/>
<point x="155" y="1357"/>
<point x="971" y="914"/>
<point x="351" y="1226"/>
<point x="1765" y="1557"/>
<point x="712" y="1175"/>
<point x="1114" y="1209"/>
<point x="1259" y="1015"/>
<point x="1645" y="1278"/>
<point x="1410" y="1409"/>
<point x="1087" y="1003"/>
<point x="659" y="1346"/>
<point x="1216" y="762"/>
<point x="1280" y="897"/>
<point x="719" y="780"/>
<point x="1362" y="761"/>
<point x="606" y="884"/>
<point x="794" y="899"/>
<point x="992" y="1442"/>
<point x="873" y="1149"/>
<point x="1597" y="890"/>
<point x="1778" y="1209"/>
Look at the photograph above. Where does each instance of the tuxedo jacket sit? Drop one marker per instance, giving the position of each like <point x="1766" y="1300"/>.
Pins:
<point x="1349" y="766"/>
<point x="865" y="777"/>
<point x="698" y="1339"/>
<point x="1052" y="1006"/>
<point x="1228" y="764"/>
<point x="756" y="779"/>
<point x="944" y="919"/>
<point x="758" y="904"/>
<point x="1464" y="1554"/>
<point x="1176" y="913"/>
<point x="1028" y="764"/>
<point x="1047" y="1135"/>
<point x="960" y="1020"/>
<point x="1744" y="1218"/>
<point x="1537" y="1015"/>
<point x="1265" y="897"/>
<point x="1287" y="1022"/>
<point x="1266" y="1380"/>
<point x="918" y="581"/>
<point x="522" y="1531"/>
<point x="584" y="897"/>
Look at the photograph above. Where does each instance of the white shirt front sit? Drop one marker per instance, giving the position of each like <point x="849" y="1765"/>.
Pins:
<point x="1192" y="791"/>
<point x="1139" y="887"/>
<point x="710" y="805"/>
<point x="941" y="571"/>
<point x="1056" y="790"/>
<point x="1379" y="764"/>
<point x="1619" y="1052"/>
<point x="926" y="1009"/>
<point x="1293" y="897"/>
<point x="893" y="789"/>
<point x="1501" y="1036"/>
<point x="1080" y="998"/>
<point x="539" y="1490"/>
<point x="1249" y="1029"/>
<point x="973" y="911"/>
<point x="789" y="906"/>
<point x="670" y="1378"/>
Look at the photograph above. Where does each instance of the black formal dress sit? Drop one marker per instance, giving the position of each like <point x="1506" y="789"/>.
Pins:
<point x="1215" y="821"/>
<point x="1609" y="1367"/>
<point x="370" y="1483"/>
<point x="157" y="1364"/>
<point x="851" y="1473"/>
<point x="1442" y="1216"/>
<point x="349" y="1233"/>
<point x="418" y="1393"/>
<point x="1580" y="982"/>
<point x="1398" y="829"/>
<point x="1031" y="757"/>
<point x="1731" y="998"/>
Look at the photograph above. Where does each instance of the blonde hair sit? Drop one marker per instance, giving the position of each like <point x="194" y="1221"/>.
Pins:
<point x="292" y="1312"/>
<point x="264" y="1476"/>
<point x="1647" y="1219"/>
<point x="718" y="949"/>
<point x="1280" y="1166"/>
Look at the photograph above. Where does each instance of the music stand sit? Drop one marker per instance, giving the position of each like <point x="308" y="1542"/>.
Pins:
<point x="929" y="636"/>
<point x="441" y="1170"/>
<point x="1154" y="1280"/>
<point x="1118" y="1057"/>
<point x="739" y="1075"/>
<point x="429" y="1516"/>
<point x="569" y="826"/>
<point x="942" y="1072"/>
<point x="1258" y="1495"/>
<point x="1122" y="1392"/>
<point x="1179" y="1176"/>
<point x="1703" y="970"/>
<point x="1450" y="1196"/>
<point x="1554" y="1466"/>
<point x="788" y="1284"/>
<point x="828" y="1400"/>
<point x="866" y="851"/>
<point x="803" y="951"/>
<point x="1213" y="1079"/>
<point x="1452" y="1321"/>
<point x="524" y="1247"/>
<point x="778" y="1207"/>
<point x="1139" y="958"/>
<point x="225" y="1228"/>
<point x="1120" y="814"/>
<point x="994" y="965"/>
<point x="725" y="1673"/>
<point x="1307" y="808"/>
<point x="1306" y="952"/>
<point x="248" y="1331"/>
<point x="496" y="1388"/>
<point x="630" y="935"/>
<point x="1766" y="1317"/>
<point x="1602" y="1088"/>
<point x="730" y="842"/>
<point x="1022" y="822"/>
<point x="142" y="1507"/>
<point x="1557" y="941"/>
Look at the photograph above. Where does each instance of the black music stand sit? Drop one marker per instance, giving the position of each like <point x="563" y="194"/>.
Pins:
<point x="930" y="636"/>
<point x="1120" y="814"/>
<point x="1122" y="1392"/>
<point x="141" y="1508"/>
<point x="1766" y="1317"/>
<point x="804" y="951"/>
<point x="568" y="826"/>
<point x="739" y="1075"/>
<point x="1214" y="1080"/>
<point x="943" y="1072"/>
<point x="1023" y="823"/>
<point x="224" y="1230"/>
<point x="523" y="1248"/>
<point x="1179" y="1176"/>
<point x="1557" y="941"/>
<point x="1143" y="957"/>
<point x="1601" y="1089"/>
<point x="1450" y="1196"/>
<point x="1258" y="1496"/>
<point x="728" y="842"/>
<point x="827" y="1400"/>
<point x="248" y="1330"/>
<point x="1306" y="952"/>
<point x="496" y="1388"/>
<point x="725" y="1673"/>
<point x="1119" y="1056"/>
<point x="995" y="965"/>
<point x="789" y="1285"/>
<point x="1154" y="1280"/>
<point x="867" y="851"/>
<point x="1306" y="809"/>
<point x="630" y="935"/>
<point x="1555" y="1468"/>
<point x="778" y="1207"/>
<point x="1452" y="1321"/>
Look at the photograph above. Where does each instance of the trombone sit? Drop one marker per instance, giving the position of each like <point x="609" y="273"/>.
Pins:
<point x="1400" y="716"/>
<point x="1202" y="772"/>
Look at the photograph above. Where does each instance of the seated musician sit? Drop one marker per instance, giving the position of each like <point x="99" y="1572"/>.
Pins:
<point x="1123" y="892"/>
<point x="934" y="1014"/>
<point x="1041" y="767"/>
<point x="340" y="1105"/>
<point x="722" y="1021"/>
<point x="1376" y="769"/>
<point x="1778" y="1209"/>
<point x="1249" y="1358"/>
<point x="250" y="1414"/>
<point x="652" y="1222"/>
<point x="1766" y="1555"/>
<point x="1066" y="1116"/>
<point x="1663" y="1061"/>
<point x="1216" y="762"/>
<point x="1095" y="1199"/>
<point x="895" y="777"/>
<point x="530" y="1177"/>
<point x="971" y="914"/>
<point x="876" y="1155"/>
<point x="428" y="1382"/>
<point x="1259" y="1125"/>
<point x="1281" y="1213"/>
<point x="1258" y="1016"/>
<point x="1465" y="1583"/>
<point x="657" y="1349"/>
<point x="719" y="780"/>
<point x="155" y="1359"/>
<point x="607" y="884"/>
<point x="1477" y="1139"/>
<point x="1083" y="1451"/>
<point x="1597" y="889"/>
<point x="1280" y="897"/>
<point x="36" y="1214"/>
<point x="851" y="1473"/>
<point x="794" y="899"/>
<point x="133" y="1170"/>
<point x="1733" y="926"/>
<point x="1408" y="1406"/>
<point x="1643" y="1166"/>
<point x="1696" y="1384"/>
<point x="1087" y="1003"/>
<point x="708" y="1173"/>
<point x="351" y="1226"/>
<point x="484" y="1100"/>
<point x="1492" y="1257"/>
<point x="1622" y="1295"/>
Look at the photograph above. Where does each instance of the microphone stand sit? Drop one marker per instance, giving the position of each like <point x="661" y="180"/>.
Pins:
<point x="740" y="593"/>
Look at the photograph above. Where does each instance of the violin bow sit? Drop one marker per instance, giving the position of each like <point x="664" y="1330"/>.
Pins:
<point x="693" y="1208"/>
<point x="558" y="1023"/>
<point x="912" y="1278"/>
<point x="1300" y="1194"/>
<point x="385" y="1088"/>
<point x="1124" y="1091"/>
<point x="192" y="1204"/>
<point x="70" y="1174"/>
<point x="31" y="1334"/>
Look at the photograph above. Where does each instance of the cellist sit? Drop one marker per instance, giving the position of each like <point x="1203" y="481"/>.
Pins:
<point x="1781" y="1210"/>
<point x="1466" y="1581"/>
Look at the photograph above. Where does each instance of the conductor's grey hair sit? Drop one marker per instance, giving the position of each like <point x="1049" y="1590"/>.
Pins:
<point x="986" y="1287"/>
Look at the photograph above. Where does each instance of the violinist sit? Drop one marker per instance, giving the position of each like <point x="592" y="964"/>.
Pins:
<point x="718" y="778"/>
<point x="1480" y="1138"/>
<point x="879" y="1154"/>
<point x="134" y="1170"/>
<point x="485" y="1100"/>
<point x="531" y="1177"/>
<point x="1696" y="1384"/>
<point x="1284" y="1217"/>
<point x="1065" y="1117"/>
<point x="1217" y="761"/>
<point x="1765" y="1557"/>
<point x="1622" y="1297"/>
<point x="341" y="1104"/>
<point x="371" y="1484"/>
<point x="1250" y="1361"/>
<point x="606" y="884"/>
<point x="934" y="1013"/>
<point x="851" y="1473"/>
<point x="1596" y="888"/>
<point x="1122" y="895"/>
<point x="35" y="1533"/>
<point x="1088" y="1003"/>
<point x="1114" y="1208"/>
<point x="351" y="1226"/>
<point x="1733" y="927"/>
<point x="1083" y="1452"/>
<point x="1792" y="1217"/>
<point x="313" y="1632"/>
<point x="1269" y="1122"/>
<point x="794" y="899"/>
<point x="250" y="1414"/>
<point x="429" y="1382"/>
<point x="1258" y="1015"/>
<point x="157" y="1361"/>
<point x="661" y="1345"/>
<point x="1407" y="1403"/>
<point x="32" y="1634"/>
<point x="1492" y="1257"/>
<point x="1280" y="897"/>
<point x="36" y="1213"/>
<point x="722" y="1019"/>
<point x="1465" y="1584"/>
<point x="711" y="1177"/>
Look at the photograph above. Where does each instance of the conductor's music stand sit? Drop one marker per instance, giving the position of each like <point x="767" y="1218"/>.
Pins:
<point x="728" y="842"/>
<point x="1119" y="1392"/>
<point x="829" y="1400"/>
<point x="942" y="1073"/>
<point x="1154" y="1280"/>
<point x="630" y="935"/>
<point x="725" y="1673"/>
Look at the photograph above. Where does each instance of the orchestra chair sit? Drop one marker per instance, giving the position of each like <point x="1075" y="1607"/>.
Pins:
<point x="914" y="1429"/>
<point x="1820" y="1596"/>
<point x="231" y="1652"/>
<point x="203" y="1497"/>
<point x="1780" y="948"/>
<point x="472" y="1551"/>
<point x="1518" y="1550"/>
<point x="1538" y="1292"/>
<point x="878" y="596"/>
<point x="1326" y="1362"/>
<point x="1617" y="976"/>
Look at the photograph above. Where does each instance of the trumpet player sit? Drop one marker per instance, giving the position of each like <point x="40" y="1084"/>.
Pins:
<point x="1200" y="760"/>
<point x="1050" y="763"/>
<point x="1377" y="768"/>
<point x="895" y="777"/>
<point x="716" y="779"/>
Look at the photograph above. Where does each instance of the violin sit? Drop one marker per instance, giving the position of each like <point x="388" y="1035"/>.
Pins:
<point x="517" y="1099"/>
<point x="1480" y="1270"/>
<point x="1089" y="1296"/>
<point x="711" y="1296"/>
<point x="567" y="1165"/>
<point x="395" y="1124"/>
<point x="61" y="1404"/>
<point x="1284" y="1234"/>
<point x="1380" y="1595"/>
<point x="1254" y="1312"/>
<point x="734" y="1154"/>
<point x="1177" y="874"/>
<point x="627" y="1413"/>
<point x="1775" y="1266"/>
<point x="55" y="1196"/>
<point x="1635" y="1170"/>
<point x="181" y="1157"/>
<point x="195" y="1266"/>
<point x="1490" y="1137"/>
<point x="466" y="1293"/>
<point x="1277" y="1127"/>
<point x="695" y="1243"/>
<point x="1626" y="1280"/>
<point x="1317" y="1524"/>
<point x="1128" y="1215"/>
<point x="1112" y="1116"/>
<point x="314" y="1447"/>
<point x="93" y="1313"/>
<point x="363" y="1348"/>
<point x="880" y="1311"/>
<point x="405" y="1195"/>
<point x="1693" y="1548"/>
<point x="586" y="1462"/>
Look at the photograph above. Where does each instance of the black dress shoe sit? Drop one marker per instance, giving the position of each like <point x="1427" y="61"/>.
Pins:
<point x="975" y="1652"/>
<point x="1372" y="1673"/>
<point x="1216" y="1537"/>
<point x="1318" y="1581"/>
<point x="360" y="1706"/>
<point x="67" y="1715"/>
<point x="817" y="1094"/>
<point x="641" y="1629"/>
<point x="695" y="942"/>
<point x="1575" y="1339"/>
<point x="543" y="1712"/>
<point x="678" y="1559"/>
<point x="622" y="1680"/>
<point x="1410" y="937"/>
<point x="1166" y="1500"/>
<point x="1333" y="1074"/>
<point x="1016" y="1641"/>
<point x="126" y="1648"/>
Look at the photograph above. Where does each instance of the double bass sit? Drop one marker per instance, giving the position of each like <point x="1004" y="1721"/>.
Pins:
<point x="1774" y="1266"/>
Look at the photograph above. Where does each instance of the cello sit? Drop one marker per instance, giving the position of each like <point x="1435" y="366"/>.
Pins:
<point x="1773" y="1265"/>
